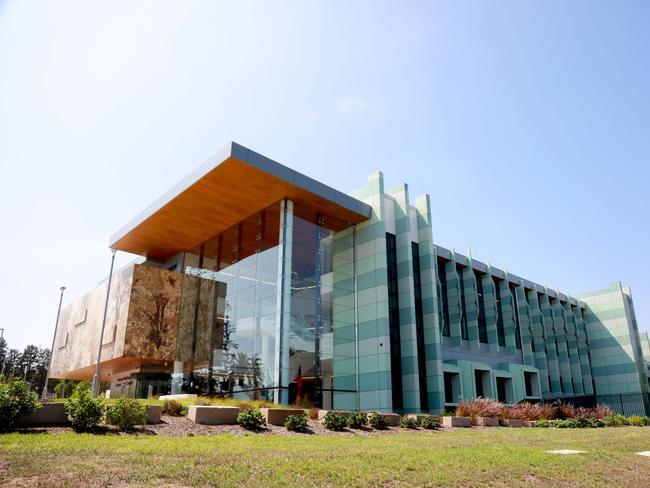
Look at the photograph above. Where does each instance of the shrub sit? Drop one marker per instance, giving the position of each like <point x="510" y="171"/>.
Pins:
<point x="251" y="419"/>
<point x="565" y="411"/>
<point x="356" y="420"/>
<point x="296" y="423"/>
<point x="313" y="413"/>
<point x="568" y="411"/>
<point x="63" y="389"/>
<point x="527" y="411"/>
<point x="377" y="421"/>
<point x="84" y="410"/>
<point x="408" y="423"/>
<point x="479" y="407"/>
<point x="173" y="408"/>
<point x="15" y="401"/>
<point x="575" y="423"/>
<point x="126" y="413"/>
<point x="303" y="403"/>
<point x="602" y="411"/>
<point x="430" y="423"/>
<point x="334" y="421"/>
<point x="638" y="421"/>
<point x="615" y="420"/>
<point x="592" y="422"/>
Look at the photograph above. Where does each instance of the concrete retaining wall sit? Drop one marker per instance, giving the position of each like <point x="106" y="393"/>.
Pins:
<point x="49" y="414"/>
<point x="213" y="414"/>
<point x="456" y="421"/>
<point x="277" y="416"/>
<point x="487" y="421"/>
<point x="54" y="414"/>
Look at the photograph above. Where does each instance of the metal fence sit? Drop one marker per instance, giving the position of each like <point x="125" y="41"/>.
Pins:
<point x="626" y="404"/>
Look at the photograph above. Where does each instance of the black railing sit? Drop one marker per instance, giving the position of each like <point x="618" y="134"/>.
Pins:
<point x="626" y="403"/>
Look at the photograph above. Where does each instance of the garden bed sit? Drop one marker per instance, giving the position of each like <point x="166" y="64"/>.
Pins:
<point x="182" y="427"/>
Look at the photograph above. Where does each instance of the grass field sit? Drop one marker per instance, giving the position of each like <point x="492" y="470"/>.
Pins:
<point x="471" y="457"/>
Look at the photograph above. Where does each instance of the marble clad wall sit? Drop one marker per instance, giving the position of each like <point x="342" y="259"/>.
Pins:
<point x="152" y="327"/>
<point x="77" y="338"/>
<point x="142" y="321"/>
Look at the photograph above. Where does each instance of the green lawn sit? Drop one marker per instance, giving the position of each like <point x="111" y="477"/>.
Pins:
<point x="472" y="457"/>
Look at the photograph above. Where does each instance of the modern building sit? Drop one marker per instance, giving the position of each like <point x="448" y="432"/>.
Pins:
<point x="256" y="281"/>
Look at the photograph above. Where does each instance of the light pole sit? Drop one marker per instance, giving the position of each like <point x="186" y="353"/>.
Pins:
<point x="4" y="358"/>
<point x="56" y="327"/>
<point x="95" y="386"/>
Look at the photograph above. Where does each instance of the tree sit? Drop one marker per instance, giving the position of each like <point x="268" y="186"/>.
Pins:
<point x="28" y="360"/>
<point x="3" y="350"/>
<point x="12" y="362"/>
<point x="31" y="364"/>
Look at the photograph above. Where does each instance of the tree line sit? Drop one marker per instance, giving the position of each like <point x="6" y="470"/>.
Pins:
<point x="29" y="364"/>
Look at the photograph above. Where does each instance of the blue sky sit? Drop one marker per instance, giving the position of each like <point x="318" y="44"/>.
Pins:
<point x="527" y="122"/>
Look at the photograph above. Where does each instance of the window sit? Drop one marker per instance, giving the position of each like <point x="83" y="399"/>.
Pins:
<point x="419" y="326"/>
<point x="504" y="389"/>
<point x="515" y="311"/>
<point x="482" y="324"/>
<point x="528" y="381"/>
<point x="482" y="383"/>
<point x="463" y="313"/>
<point x="500" y="330"/>
<point x="442" y="279"/>
<point x="452" y="387"/>
<point x="64" y="342"/>
<point x="393" y="323"/>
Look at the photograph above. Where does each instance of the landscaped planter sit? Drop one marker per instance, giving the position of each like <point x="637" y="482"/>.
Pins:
<point x="153" y="414"/>
<point x="48" y="414"/>
<point x="487" y="421"/>
<point x="322" y="413"/>
<point x="277" y="416"/>
<point x="213" y="414"/>
<point x="511" y="422"/>
<point x="392" y="419"/>
<point x="448" y="421"/>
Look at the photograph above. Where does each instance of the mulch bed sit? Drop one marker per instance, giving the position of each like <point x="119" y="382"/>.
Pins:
<point x="184" y="427"/>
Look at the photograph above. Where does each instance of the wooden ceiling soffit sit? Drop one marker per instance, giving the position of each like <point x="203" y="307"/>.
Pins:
<point x="229" y="187"/>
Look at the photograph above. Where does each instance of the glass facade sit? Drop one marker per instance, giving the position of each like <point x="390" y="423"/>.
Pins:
<point x="229" y="312"/>
<point x="258" y="307"/>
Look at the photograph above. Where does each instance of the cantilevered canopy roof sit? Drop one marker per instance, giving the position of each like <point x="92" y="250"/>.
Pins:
<point x="230" y="186"/>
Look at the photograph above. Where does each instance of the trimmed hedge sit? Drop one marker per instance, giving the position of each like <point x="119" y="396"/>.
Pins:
<point x="334" y="421"/>
<point x="251" y="419"/>
<point x="296" y="423"/>
<point x="430" y="423"/>
<point x="356" y="420"/>
<point x="378" y="421"/>
<point x="408" y="423"/>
